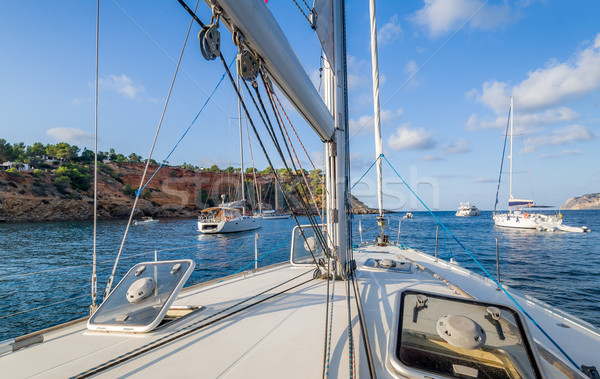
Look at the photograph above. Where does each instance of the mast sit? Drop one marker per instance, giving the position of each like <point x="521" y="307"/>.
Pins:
<point x="276" y="196"/>
<point x="376" y="118"/>
<point x="510" y="195"/>
<point x="335" y="98"/>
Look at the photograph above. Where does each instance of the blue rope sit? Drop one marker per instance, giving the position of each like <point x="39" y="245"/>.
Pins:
<point x="502" y="162"/>
<point x="486" y="272"/>
<point x="369" y="169"/>
<point x="139" y="191"/>
<point x="262" y="256"/>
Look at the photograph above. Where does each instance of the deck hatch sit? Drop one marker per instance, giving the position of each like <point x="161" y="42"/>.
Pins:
<point x="142" y="298"/>
<point x="424" y="343"/>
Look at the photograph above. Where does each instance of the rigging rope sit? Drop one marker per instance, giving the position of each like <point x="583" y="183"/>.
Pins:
<point x="484" y="270"/>
<point x="262" y="145"/>
<point x="300" y="197"/>
<point x="502" y="161"/>
<point x="111" y="278"/>
<point x="262" y="256"/>
<point x="366" y="172"/>
<point x="302" y="11"/>
<point x="138" y="192"/>
<point x="94" y="273"/>
<point x="294" y="151"/>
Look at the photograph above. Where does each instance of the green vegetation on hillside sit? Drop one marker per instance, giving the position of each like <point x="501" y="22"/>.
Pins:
<point x="73" y="170"/>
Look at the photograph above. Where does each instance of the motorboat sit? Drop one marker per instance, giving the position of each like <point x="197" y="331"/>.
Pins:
<point x="467" y="210"/>
<point x="272" y="214"/>
<point x="408" y="215"/>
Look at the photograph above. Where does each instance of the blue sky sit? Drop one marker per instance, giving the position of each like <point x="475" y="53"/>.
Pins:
<point x="447" y="70"/>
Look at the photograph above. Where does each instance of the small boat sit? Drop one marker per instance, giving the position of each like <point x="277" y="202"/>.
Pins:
<point x="408" y="215"/>
<point x="145" y="221"/>
<point x="573" y="229"/>
<point x="274" y="215"/>
<point x="467" y="210"/>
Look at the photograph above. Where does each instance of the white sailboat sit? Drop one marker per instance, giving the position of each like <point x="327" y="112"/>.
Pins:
<point x="380" y="310"/>
<point x="275" y="214"/>
<point x="519" y="218"/>
<point x="230" y="217"/>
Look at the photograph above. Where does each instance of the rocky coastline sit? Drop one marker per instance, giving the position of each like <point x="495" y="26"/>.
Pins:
<point x="588" y="201"/>
<point x="173" y="193"/>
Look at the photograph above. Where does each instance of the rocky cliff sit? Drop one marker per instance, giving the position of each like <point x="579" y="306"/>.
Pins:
<point x="173" y="192"/>
<point x="589" y="201"/>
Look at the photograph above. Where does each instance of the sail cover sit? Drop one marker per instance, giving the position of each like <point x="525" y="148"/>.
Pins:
<point x="324" y="27"/>
<point x="516" y="202"/>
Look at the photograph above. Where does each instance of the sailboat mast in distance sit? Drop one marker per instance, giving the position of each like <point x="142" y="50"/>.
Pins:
<point x="510" y="195"/>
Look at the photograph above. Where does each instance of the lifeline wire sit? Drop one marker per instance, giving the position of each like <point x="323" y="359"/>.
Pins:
<point x="486" y="271"/>
<point x="111" y="278"/>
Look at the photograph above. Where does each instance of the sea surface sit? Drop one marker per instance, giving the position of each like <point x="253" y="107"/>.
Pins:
<point x="46" y="268"/>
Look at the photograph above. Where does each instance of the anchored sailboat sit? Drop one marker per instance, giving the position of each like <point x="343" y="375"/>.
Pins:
<point x="522" y="217"/>
<point x="378" y="310"/>
<point x="230" y="217"/>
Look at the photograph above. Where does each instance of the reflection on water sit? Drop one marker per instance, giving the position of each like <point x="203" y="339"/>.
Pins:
<point x="43" y="264"/>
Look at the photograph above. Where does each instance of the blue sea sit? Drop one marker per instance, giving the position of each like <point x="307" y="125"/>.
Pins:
<point x="46" y="268"/>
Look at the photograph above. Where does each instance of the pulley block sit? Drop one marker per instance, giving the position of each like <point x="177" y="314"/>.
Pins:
<point x="247" y="65"/>
<point x="210" y="42"/>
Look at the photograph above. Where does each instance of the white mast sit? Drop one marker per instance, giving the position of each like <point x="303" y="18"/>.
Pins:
<point x="510" y="195"/>
<point x="376" y="119"/>
<point x="337" y="149"/>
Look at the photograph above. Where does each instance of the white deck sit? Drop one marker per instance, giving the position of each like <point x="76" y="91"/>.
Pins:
<point x="283" y="336"/>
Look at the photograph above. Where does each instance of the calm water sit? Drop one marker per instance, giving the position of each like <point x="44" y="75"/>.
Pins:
<point x="45" y="268"/>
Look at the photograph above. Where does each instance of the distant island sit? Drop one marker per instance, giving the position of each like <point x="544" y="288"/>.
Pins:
<point x="589" y="201"/>
<point x="55" y="182"/>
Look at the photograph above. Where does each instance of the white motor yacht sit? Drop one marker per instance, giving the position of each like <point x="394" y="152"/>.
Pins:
<point x="467" y="210"/>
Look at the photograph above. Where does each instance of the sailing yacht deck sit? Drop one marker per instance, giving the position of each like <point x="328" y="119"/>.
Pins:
<point x="271" y="323"/>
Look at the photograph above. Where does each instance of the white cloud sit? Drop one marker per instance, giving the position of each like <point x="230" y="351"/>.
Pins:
<point x="70" y="135"/>
<point x="122" y="84"/>
<point x="561" y="154"/>
<point x="486" y="180"/>
<point x="431" y="158"/>
<point x="359" y="73"/>
<point x="444" y="16"/>
<point x="475" y="123"/>
<point x="366" y="124"/>
<point x="411" y="67"/>
<point x="459" y="146"/>
<point x="553" y="84"/>
<point x="411" y="138"/>
<point x="571" y="133"/>
<point x="495" y="95"/>
<point x="389" y="31"/>
<point x="524" y="122"/>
